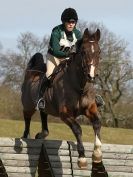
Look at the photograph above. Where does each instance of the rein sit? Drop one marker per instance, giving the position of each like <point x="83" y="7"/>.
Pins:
<point x="85" y="67"/>
<point x="34" y="70"/>
<point x="85" y="70"/>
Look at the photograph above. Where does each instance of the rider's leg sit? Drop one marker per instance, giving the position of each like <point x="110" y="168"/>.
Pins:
<point x="44" y="82"/>
<point x="51" y="63"/>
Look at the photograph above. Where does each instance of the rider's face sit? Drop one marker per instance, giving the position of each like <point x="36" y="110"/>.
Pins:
<point x="70" y="25"/>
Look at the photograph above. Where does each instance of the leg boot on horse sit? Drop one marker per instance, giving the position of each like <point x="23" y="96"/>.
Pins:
<point x="98" y="170"/>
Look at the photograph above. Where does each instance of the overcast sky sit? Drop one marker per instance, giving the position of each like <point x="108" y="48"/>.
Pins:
<point x="40" y="16"/>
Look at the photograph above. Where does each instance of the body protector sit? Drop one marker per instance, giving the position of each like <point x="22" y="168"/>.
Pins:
<point x="65" y="44"/>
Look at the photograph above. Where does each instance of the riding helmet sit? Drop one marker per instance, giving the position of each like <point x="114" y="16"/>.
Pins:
<point x="69" y="14"/>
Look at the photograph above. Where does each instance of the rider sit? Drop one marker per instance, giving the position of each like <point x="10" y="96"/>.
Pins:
<point x="61" y="46"/>
<point x="63" y="39"/>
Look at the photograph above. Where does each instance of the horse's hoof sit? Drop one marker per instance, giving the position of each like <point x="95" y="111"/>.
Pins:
<point x="82" y="163"/>
<point x="41" y="135"/>
<point x="96" y="158"/>
<point x="38" y="136"/>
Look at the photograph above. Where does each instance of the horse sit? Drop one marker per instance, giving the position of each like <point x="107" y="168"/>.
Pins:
<point x="71" y="93"/>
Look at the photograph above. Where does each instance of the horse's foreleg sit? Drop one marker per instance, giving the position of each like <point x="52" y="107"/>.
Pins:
<point x="76" y="129"/>
<point x="97" y="154"/>
<point x="44" y="133"/>
<point x="27" y="119"/>
<point x="93" y="115"/>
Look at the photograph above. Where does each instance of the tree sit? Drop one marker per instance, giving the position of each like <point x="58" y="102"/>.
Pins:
<point x="12" y="69"/>
<point x="116" y="72"/>
<point x="29" y="44"/>
<point x="14" y="64"/>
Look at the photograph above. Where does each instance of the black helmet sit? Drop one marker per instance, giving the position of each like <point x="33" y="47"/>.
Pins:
<point x="69" y="14"/>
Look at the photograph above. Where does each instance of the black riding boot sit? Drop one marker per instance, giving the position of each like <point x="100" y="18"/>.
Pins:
<point x="44" y="83"/>
<point x="99" y="101"/>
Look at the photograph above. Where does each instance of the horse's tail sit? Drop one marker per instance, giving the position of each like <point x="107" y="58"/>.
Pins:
<point x="37" y="62"/>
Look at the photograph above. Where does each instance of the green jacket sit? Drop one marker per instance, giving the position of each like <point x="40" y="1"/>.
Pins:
<point x="54" y="46"/>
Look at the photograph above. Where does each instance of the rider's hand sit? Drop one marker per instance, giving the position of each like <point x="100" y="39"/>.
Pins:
<point x="73" y="49"/>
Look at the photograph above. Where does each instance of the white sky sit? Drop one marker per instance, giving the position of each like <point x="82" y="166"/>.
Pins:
<point x="40" y="16"/>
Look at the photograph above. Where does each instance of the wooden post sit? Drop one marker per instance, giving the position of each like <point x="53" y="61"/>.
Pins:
<point x="44" y="169"/>
<point x="2" y="170"/>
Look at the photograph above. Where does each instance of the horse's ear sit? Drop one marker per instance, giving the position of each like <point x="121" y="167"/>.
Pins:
<point x="97" y="35"/>
<point x="86" y="35"/>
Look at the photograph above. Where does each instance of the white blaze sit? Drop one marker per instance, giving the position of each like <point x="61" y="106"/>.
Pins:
<point x="92" y="48"/>
<point x="92" y="69"/>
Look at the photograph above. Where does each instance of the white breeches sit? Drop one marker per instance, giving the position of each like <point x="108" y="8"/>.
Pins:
<point x="51" y="63"/>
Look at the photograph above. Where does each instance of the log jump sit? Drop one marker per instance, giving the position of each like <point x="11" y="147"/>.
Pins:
<point x="56" y="158"/>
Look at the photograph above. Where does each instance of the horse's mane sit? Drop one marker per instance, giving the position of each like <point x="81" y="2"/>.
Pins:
<point x="37" y="62"/>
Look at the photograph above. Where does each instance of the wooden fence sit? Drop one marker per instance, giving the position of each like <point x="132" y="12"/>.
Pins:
<point x="54" y="158"/>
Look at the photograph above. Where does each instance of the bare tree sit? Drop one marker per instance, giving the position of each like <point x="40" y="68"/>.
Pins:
<point x="115" y="72"/>
<point x="14" y="64"/>
<point x="12" y="69"/>
<point x="29" y="44"/>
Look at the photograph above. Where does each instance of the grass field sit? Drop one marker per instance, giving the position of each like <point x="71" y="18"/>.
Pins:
<point x="10" y="128"/>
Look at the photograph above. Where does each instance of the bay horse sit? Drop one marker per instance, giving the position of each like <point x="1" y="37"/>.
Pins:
<point x="71" y="93"/>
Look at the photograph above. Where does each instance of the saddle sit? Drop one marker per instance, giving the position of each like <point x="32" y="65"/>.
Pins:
<point x="62" y="66"/>
<point x="47" y="82"/>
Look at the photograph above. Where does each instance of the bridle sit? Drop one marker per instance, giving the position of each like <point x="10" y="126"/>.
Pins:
<point x="86" y="67"/>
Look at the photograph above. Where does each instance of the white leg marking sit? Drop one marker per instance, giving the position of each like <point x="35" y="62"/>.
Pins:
<point x="98" y="142"/>
<point x="97" y="153"/>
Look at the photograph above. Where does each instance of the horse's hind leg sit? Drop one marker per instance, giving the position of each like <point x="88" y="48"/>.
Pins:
<point x="44" y="133"/>
<point x="75" y="127"/>
<point x="27" y="119"/>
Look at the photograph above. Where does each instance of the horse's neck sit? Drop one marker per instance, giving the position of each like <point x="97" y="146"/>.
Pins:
<point x="75" y="74"/>
<point x="77" y="77"/>
<point x="89" y="87"/>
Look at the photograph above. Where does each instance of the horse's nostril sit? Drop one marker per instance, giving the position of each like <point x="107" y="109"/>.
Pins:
<point x="91" y="79"/>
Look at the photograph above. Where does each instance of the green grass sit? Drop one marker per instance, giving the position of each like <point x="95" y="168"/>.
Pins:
<point x="10" y="128"/>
